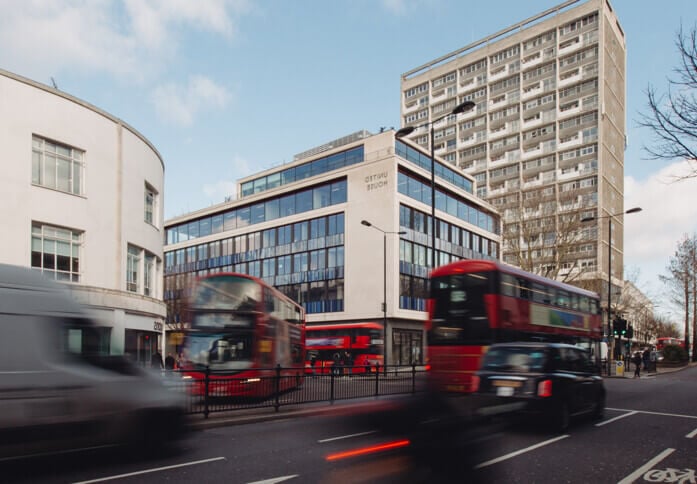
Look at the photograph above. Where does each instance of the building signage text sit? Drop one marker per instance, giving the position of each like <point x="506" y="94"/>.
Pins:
<point x="375" y="182"/>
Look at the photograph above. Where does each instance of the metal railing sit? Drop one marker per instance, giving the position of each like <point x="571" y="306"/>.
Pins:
<point x="224" y="391"/>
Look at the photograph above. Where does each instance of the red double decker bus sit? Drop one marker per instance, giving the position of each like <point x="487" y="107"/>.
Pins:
<point x="665" y="341"/>
<point x="475" y="303"/>
<point x="241" y="330"/>
<point x="359" y="345"/>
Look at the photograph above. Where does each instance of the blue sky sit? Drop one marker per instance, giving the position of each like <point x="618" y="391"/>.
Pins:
<point x="227" y="88"/>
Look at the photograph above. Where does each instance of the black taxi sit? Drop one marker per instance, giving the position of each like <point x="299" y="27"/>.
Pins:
<point x="553" y="380"/>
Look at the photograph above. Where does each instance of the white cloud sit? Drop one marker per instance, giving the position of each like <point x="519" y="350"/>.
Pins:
<point x="179" y="103"/>
<point x="397" y="7"/>
<point x="218" y="191"/>
<point x="130" y="39"/>
<point x="404" y="7"/>
<point x="668" y="212"/>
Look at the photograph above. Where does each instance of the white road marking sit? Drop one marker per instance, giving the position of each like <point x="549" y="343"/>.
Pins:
<point x="646" y="467"/>
<point x="148" y="471"/>
<point x="605" y="422"/>
<point x="274" y="480"/>
<point x="346" y="436"/>
<point x="518" y="452"/>
<point x="691" y="434"/>
<point x="430" y="420"/>
<point x="652" y="413"/>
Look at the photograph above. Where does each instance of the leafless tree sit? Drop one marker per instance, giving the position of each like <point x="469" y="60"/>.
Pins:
<point x="544" y="233"/>
<point x="681" y="281"/>
<point x="665" y="328"/>
<point x="672" y="117"/>
<point x="177" y="312"/>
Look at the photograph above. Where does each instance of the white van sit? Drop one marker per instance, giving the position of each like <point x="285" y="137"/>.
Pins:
<point x="57" y="391"/>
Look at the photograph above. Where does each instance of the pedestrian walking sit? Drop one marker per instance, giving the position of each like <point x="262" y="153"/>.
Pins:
<point x="653" y="361"/>
<point x="337" y="362"/>
<point x="637" y="364"/>
<point x="156" y="360"/>
<point x="646" y="356"/>
<point x="170" y="362"/>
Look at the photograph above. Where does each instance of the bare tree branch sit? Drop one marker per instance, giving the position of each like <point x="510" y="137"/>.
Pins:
<point x="672" y="118"/>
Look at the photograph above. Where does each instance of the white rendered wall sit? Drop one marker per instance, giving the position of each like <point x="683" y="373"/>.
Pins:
<point x="110" y="212"/>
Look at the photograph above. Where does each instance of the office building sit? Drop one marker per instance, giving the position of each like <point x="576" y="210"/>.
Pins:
<point x="81" y="202"/>
<point x="545" y="142"/>
<point x="299" y="227"/>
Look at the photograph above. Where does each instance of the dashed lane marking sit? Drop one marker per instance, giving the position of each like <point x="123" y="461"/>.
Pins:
<point x="518" y="452"/>
<point x="148" y="471"/>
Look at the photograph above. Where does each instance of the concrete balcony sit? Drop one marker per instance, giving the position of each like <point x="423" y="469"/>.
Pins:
<point x="570" y="79"/>
<point x="569" y="111"/>
<point x="573" y="45"/>
<point x="499" y="73"/>
<point x="531" y="60"/>
<point x="498" y="191"/>
<point x="532" y="151"/>
<point x="570" y="141"/>
<point x="527" y="94"/>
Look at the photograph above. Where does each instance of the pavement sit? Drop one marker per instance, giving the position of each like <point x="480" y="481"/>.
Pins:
<point x="660" y="370"/>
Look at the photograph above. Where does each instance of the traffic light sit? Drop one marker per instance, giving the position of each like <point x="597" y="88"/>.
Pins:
<point x="620" y="327"/>
<point x="630" y="331"/>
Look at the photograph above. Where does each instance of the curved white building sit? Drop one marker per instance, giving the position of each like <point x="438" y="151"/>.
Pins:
<point x="81" y="196"/>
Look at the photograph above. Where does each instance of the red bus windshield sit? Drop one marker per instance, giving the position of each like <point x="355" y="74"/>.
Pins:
<point x="225" y="312"/>
<point x="459" y="309"/>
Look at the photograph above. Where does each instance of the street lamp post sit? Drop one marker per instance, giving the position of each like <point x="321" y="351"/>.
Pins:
<point x="384" y="288"/>
<point x="407" y="130"/>
<point x="609" y="262"/>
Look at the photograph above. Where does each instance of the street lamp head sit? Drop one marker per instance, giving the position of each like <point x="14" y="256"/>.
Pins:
<point x="587" y="219"/>
<point x="405" y="131"/>
<point x="366" y="223"/>
<point x="633" y="210"/>
<point x="461" y="108"/>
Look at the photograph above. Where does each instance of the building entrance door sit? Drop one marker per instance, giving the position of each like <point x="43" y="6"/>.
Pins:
<point x="408" y="346"/>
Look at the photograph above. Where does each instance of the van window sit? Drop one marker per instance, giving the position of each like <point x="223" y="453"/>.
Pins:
<point x="80" y="338"/>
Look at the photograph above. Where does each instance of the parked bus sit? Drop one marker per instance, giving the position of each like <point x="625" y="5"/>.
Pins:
<point x="475" y="303"/>
<point x="241" y="329"/>
<point x="328" y="344"/>
<point x="665" y="341"/>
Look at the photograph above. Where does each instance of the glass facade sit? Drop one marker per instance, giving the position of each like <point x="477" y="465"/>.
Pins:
<point x="306" y="170"/>
<point x="445" y="202"/>
<point x="424" y="161"/>
<point x="301" y="201"/>
<point x="304" y="260"/>
<point x="452" y="244"/>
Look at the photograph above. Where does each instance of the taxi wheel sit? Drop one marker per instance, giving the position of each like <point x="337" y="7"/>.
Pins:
<point x="599" y="408"/>
<point x="562" y="417"/>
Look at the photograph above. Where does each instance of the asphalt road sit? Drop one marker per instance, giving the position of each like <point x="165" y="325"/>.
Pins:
<point x="649" y="434"/>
